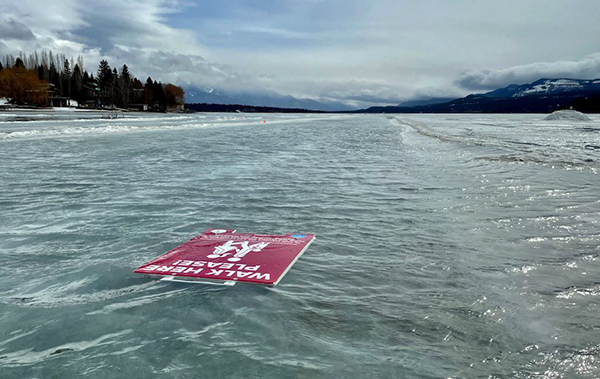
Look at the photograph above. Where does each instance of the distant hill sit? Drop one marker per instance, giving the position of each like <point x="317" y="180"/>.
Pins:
<point x="264" y="99"/>
<point x="421" y="102"/>
<point x="541" y="96"/>
<point x="204" y="107"/>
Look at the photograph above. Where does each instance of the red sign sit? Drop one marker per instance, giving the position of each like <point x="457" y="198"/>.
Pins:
<point x="227" y="257"/>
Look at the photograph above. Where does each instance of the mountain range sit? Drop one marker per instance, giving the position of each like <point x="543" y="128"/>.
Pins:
<point x="542" y="96"/>
<point x="198" y="95"/>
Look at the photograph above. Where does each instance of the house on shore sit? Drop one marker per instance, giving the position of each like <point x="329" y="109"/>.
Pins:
<point x="138" y="107"/>
<point x="62" y="102"/>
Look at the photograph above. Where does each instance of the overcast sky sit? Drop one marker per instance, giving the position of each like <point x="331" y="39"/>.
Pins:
<point x="358" y="52"/>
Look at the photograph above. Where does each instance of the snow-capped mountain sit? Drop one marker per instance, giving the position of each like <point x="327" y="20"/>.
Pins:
<point x="543" y="87"/>
<point x="541" y="96"/>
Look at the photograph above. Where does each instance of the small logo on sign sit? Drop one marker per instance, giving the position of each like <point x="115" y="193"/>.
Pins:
<point x="298" y="235"/>
<point x="236" y="250"/>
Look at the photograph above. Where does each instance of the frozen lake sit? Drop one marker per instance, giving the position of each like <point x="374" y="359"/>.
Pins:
<point x="447" y="245"/>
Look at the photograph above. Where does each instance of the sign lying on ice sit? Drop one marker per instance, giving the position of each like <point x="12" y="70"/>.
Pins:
<point x="225" y="257"/>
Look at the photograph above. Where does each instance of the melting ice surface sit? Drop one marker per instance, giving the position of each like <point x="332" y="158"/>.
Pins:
<point x="448" y="245"/>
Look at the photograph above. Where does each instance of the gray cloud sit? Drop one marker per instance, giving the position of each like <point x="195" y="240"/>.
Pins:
<point x="587" y="68"/>
<point x="361" y="92"/>
<point x="183" y="69"/>
<point x="11" y="29"/>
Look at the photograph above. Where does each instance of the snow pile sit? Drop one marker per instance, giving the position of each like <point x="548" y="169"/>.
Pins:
<point x="568" y="114"/>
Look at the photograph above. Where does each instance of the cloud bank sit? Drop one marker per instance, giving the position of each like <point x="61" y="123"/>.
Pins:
<point x="361" y="53"/>
<point x="587" y="68"/>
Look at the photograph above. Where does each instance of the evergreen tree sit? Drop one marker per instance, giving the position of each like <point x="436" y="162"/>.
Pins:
<point x="104" y="75"/>
<point x="125" y="83"/>
<point x="66" y="78"/>
<point x="158" y="94"/>
<point x="53" y="77"/>
<point x="115" y="89"/>
<point x="105" y="82"/>
<point x="148" y="92"/>
<point x="137" y="92"/>
<point x="76" y="84"/>
<point x="86" y="83"/>
<point x="23" y="60"/>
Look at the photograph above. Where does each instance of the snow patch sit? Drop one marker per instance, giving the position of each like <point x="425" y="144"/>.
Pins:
<point x="548" y="86"/>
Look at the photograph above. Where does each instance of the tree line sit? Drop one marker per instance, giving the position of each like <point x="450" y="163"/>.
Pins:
<point x="36" y="78"/>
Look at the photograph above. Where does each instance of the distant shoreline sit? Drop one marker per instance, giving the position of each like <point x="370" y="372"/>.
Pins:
<point x="239" y="108"/>
<point x="78" y="110"/>
<point x="233" y="109"/>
